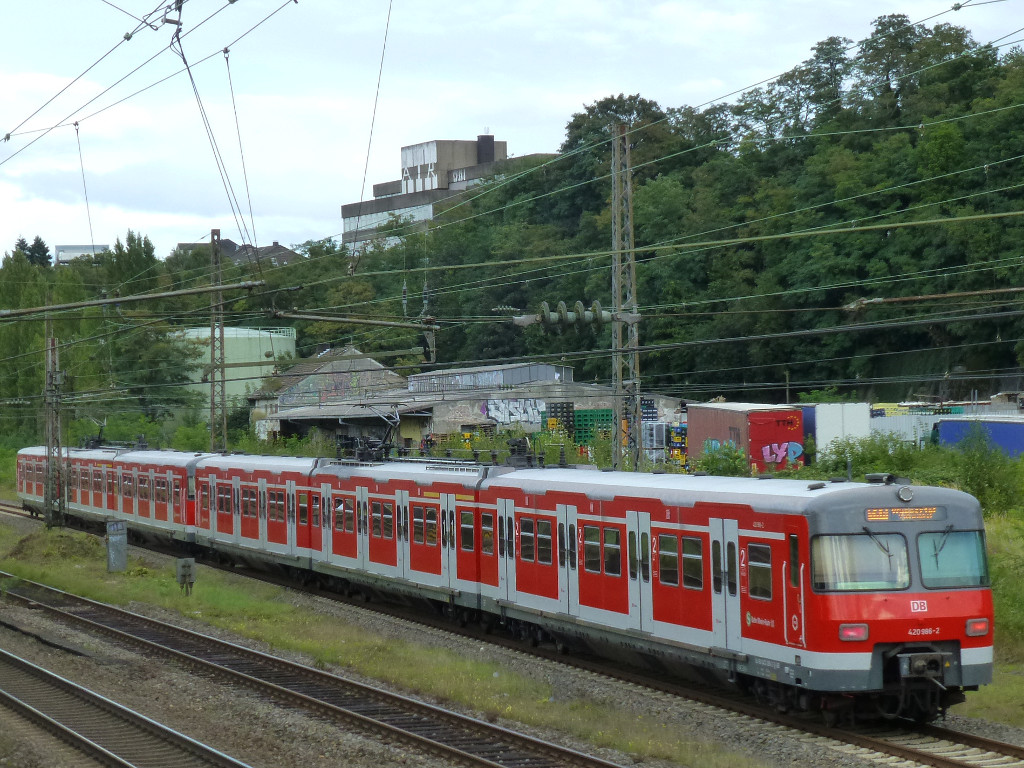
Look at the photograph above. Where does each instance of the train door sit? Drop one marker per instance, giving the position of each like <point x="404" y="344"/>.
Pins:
<point x="345" y="531"/>
<point x="507" y="547"/>
<point x="449" y="553"/>
<point x="402" y="532"/>
<point x="113" y="492"/>
<point x="725" y="597"/>
<point x="261" y="498"/>
<point x="249" y="519"/>
<point x="205" y="492"/>
<point x="640" y="552"/>
<point x="489" y="575"/>
<point x="362" y="524"/>
<point x="302" y="519"/>
<point x="568" y="582"/>
<point x="322" y="532"/>
<point x="289" y="498"/>
<point x="236" y="510"/>
<point x="793" y="593"/>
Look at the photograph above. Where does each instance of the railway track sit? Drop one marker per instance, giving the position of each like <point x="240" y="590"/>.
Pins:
<point x="103" y="730"/>
<point x="424" y="726"/>
<point x="923" y="745"/>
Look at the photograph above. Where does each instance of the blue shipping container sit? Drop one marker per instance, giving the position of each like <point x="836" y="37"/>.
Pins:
<point x="1005" y="434"/>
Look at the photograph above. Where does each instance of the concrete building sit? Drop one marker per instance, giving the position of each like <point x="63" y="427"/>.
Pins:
<point x="431" y="172"/>
<point x="275" y="255"/>
<point x="522" y="395"/>
<point x="250" y="353"/>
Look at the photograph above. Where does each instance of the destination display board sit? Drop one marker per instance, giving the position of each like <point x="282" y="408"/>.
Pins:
<point x="904" y="514"/>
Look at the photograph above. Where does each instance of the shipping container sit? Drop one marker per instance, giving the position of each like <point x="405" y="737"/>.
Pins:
<point x="1004" y="432"/>
<point x="771" y="435"/>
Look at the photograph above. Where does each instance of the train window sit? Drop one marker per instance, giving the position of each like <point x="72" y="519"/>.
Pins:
<point x="387" y="521"/>
<point x="631" y="555"/>
<point x="160" y="491"/>
<point x="859" y="562"/>
<point x="84" y="480"/>
<point x="561" y="545"/>
<point x="759" y="573"/>
<point x="303" y="508"/>
<point x="177" y="493"/>
<point x="730" y="566"/>
<point x="431" y="528"/>
<point x="526" y="552"/>
<point x="97" y="481"/>
<point x="128" y="486"/>
<point x="693" y="564"/>
<point x="572" y="546"/>
<point x="487" y="533"/>
<point x="668" y="559"/>
<point x="466" y="531"/>
<point x="544" y="542"/>
<point x="951" y="559"/>
<point x="204" y="497"/>
<point x="612" y="552"/>
<point x="73" y="477"/>
<point x="716" y="567"/>
<point x="645" y="557"/>
<point x="592" y="548"/>
<point x="375" y="519"/>
<point x="417" y="525"/>
<point x="794" y="560"/>
<point x="510" y="537"/>
<point x="223" y="498"/>
<point x="315" y="507"/>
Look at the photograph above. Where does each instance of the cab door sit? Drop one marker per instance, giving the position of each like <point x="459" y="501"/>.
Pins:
<point x="725" y="598"/>
<point x="793" y="593"/>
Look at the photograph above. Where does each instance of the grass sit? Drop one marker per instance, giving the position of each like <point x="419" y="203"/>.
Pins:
<point x="77" y="563"/>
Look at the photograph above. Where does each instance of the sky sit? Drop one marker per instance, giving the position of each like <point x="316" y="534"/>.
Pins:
<point x="305" y="81"/>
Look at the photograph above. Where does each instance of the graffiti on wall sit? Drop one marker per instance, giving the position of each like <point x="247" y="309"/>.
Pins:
<point x="777" y="453"/>
<point x="522" y="410"/>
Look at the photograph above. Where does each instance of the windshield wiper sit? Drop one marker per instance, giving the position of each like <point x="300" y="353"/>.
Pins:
<point x="942" y="542"/>
<point x="879" y="542"/>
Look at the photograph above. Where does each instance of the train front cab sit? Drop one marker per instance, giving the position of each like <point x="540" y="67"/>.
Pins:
<point x="901" y="602"/>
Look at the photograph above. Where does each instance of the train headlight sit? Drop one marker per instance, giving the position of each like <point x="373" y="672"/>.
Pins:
<point x="853" y="633"/>
<point x="977" y="627"/>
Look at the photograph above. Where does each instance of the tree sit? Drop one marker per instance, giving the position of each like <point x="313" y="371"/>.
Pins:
<point x="21" y="245"/>
<point x="38" y="253"/>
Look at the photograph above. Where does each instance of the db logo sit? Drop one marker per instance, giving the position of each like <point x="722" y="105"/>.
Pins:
<point x="918" y="606"/>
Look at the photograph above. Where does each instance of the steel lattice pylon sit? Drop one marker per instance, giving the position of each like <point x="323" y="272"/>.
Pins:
<point x="625" y="352"/>
<point x="56" y="487"/>
<point x="218" y="382"/>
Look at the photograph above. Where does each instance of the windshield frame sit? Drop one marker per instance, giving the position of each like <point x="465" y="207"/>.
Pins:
<point x="943" y="539"/>
<point x="890" y="543"/>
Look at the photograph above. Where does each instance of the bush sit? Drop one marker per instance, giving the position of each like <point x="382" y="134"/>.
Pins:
<point x="724" y="460"/>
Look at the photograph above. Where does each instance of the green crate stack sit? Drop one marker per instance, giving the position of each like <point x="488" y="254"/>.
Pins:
<point x="588" y="422"/>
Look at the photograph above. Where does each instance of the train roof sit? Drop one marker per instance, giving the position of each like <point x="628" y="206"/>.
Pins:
<point x="165" y="458"/>
<point x="249" y="462"/>
<point x="95" y="454"/>
<point x="424" y="471"/>
<point x="766" y="494"/>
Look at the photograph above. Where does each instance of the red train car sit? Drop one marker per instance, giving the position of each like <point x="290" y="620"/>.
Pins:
<point x="840" y="596"/>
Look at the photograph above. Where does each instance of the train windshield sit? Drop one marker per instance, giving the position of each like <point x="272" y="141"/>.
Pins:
<point x="860" y="562"/>
<point x="952" y="559"/>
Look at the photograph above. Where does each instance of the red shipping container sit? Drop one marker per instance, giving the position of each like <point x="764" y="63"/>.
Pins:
<point x="771" y="435"/>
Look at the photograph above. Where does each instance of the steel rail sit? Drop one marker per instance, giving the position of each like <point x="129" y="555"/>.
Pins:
<point x="427" y="727"/>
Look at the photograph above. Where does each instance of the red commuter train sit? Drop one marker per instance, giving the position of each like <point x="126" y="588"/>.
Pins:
<point x="843" y="597"/>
